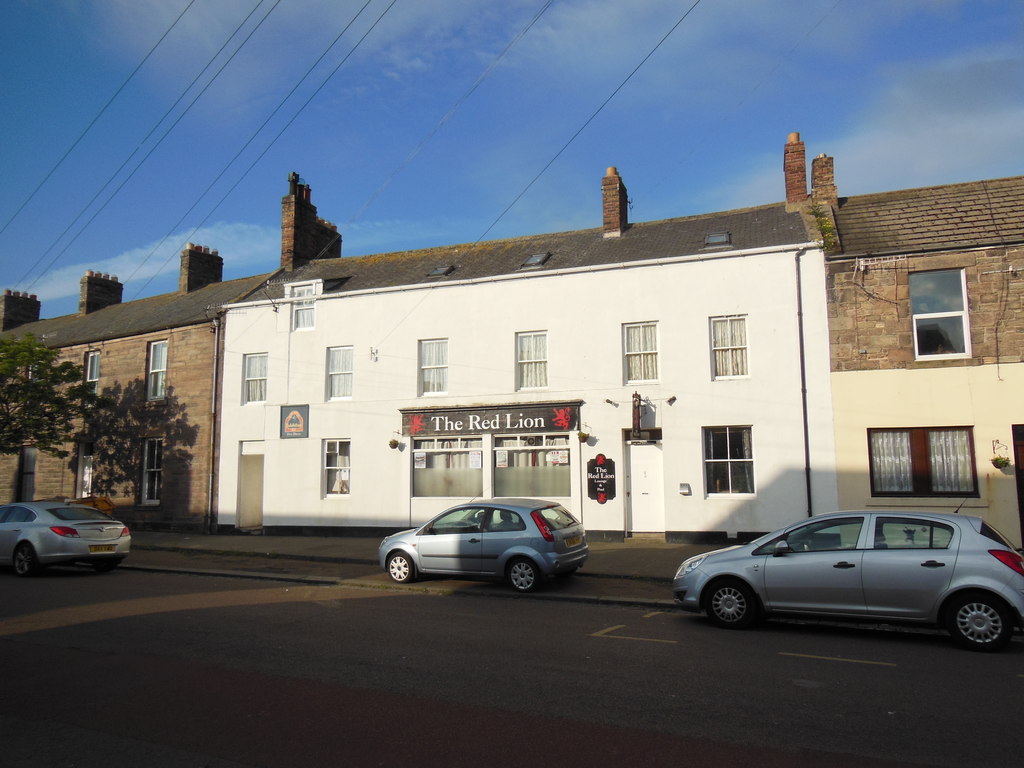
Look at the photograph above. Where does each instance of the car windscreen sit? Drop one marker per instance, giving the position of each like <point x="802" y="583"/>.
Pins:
<point x="558" y="517"/>
<point x="77" y="513"/>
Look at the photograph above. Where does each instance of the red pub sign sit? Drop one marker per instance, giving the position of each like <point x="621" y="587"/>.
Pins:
<point x="511" y="419"/>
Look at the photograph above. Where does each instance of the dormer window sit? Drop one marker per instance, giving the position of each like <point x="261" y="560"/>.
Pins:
<point x="303" y="310"/>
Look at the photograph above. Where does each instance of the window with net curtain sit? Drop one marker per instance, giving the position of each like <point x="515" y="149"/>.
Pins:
<point x="922" y="462"/>
<point x="641" y="342"/>
<point x="303" y="312"/>
<point x="337" y="467"/>
<point x="339" y="372"/>
<point x="255" y="374"/>
<point x="433" y="366"/>
<point x="447" y="467"/>
<point x="532" y="465"/>
<point x="532" y="359"/>
<point x="156" y="376"/>
<point x="729" y="346"/>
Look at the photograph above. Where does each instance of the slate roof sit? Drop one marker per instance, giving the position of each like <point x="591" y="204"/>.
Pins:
<point x="760" y="227"/>
<point x="975" y="214"/>
<point x="130" y="318"/>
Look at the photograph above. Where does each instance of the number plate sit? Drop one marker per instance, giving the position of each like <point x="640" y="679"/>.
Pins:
<point x="573" y="541"/>
<point x="102" y="548"/>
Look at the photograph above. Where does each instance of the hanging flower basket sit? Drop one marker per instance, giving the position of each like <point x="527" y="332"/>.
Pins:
<point x="583" y="436"/>
<point x="1000" y="462"/>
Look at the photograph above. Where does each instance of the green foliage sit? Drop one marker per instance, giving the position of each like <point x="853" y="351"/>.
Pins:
<point x="827" y="230"/>
<point x="40" y="397"/>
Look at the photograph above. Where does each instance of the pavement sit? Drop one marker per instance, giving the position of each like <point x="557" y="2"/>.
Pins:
<point x="634" y="571"/>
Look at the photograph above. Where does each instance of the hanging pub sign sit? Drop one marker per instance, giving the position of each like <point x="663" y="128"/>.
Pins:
<point x="514" y="419"/>
<point x="294" y="421"/>
<point x="601" y="478"/>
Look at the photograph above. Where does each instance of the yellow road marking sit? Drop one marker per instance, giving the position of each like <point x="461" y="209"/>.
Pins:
<point x="608" y="633"/>
<point x="839" y="658"/>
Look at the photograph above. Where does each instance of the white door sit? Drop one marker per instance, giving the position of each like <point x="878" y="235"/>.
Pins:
<point x="250" y="486"/>
<point x="646" y="489"/>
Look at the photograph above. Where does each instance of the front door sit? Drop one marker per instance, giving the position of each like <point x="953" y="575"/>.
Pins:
<point x="250" y="487"/>
<point x="1018" y="455"/>
<point x="646" y="494"/>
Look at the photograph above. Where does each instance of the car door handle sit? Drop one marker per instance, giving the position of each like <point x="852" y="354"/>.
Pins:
<point x="932" y="564"/>
<point x="474" y="541"/>
<point x="844" y="564"/>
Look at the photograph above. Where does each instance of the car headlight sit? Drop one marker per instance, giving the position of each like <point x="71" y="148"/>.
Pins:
<point x="689" y="565"/>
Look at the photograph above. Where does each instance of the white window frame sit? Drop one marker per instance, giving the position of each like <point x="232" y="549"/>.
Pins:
<point x="729" y="358"/>
<point x="252" y="391"/>
<point x="453" y="464"/>
<point x="340" y="364"/>
<point x="961" y="314"/>
<point x="337" y="468"/>
<point x="156" y="370"/>
<point x="433" y="370"/>
<point x="303" y="310"/>
<point x="730" y="460"/>
<point x="532" y="360"/>
<point x="152" y="470"/>
<point x="646" y="356"/>
<point x="92" y="369"/>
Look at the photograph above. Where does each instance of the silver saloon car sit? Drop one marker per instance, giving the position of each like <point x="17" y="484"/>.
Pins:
<point x="521" y="540"/>
<point x="950" y="570"/>
<point x="35" y="534"/>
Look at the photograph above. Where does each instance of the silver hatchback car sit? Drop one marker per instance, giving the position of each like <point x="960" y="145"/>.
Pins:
<point x="949" y="570"/>
<point x="521" y="540"/>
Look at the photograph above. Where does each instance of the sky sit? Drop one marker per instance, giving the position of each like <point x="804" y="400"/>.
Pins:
<point x="132" y="127"/>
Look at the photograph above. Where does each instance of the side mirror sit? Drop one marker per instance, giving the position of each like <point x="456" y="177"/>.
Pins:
<point x="781" y="548"/>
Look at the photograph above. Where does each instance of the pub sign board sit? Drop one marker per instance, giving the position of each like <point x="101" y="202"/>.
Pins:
<point x="601" y="478"/>
<point x="294" y="421"/>
<point x="508" y="419"/>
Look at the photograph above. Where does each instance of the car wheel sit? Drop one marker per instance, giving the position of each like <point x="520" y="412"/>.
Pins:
<point x="105" y="566"/>
<point x="979" y="622"/>
<point x="523" y="575"/>
<point x="731" y="604"/>
<point x="26" y="563"/>
<point x="401" y="567"/>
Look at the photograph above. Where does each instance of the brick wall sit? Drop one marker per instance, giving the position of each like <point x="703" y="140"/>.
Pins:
<point x="869" y="309"/>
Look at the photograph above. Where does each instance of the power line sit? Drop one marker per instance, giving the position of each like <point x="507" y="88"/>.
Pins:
<point x="588" y="121"/>
<point x="98" y="116"/>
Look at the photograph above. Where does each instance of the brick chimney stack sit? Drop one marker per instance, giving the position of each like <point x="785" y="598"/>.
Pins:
<point x="823" y="181"/>
<point x="794" y="166"/>
<point x="17" y="308"/>
<point x="199" y="267"/>
<point x="98" y="291"/>
<point x="616" y="203"/>
<point x="304" y="236"/>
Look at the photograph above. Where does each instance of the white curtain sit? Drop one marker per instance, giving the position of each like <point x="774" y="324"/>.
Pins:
<point x="951" y="465"/>
<point x="641" y="352"/>
<point x="434" y="365"/>
<point x="890" y="462"/>
<point x="255" y="378"/>
<point x="340" y="365"/>
<point x="729" y="339"/>
<point x="533" y="360"/>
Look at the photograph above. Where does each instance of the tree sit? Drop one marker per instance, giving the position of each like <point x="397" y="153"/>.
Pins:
<point x="40" y="397"/>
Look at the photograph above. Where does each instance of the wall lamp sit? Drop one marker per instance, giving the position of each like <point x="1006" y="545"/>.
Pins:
<point x="671" y="400"/>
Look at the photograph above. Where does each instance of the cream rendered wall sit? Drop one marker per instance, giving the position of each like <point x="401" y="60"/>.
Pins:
<point x="985" y="397"/>
<point x="583" y="313"/>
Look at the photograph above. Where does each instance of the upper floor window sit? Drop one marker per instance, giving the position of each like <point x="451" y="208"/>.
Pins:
<point x="641" y="344"/>
<point x="728" y="460"/>
<point x="156" y="371"/>
<point x="729" y="346"/>
<point x="434" y="366"/>
<point x="938" y="304"/>
<point x="922" y="461"/>
<point x="531" y="360"/>
<point x="255" y="372"/>
<point x="339" y="372"/>
<point x="304" y="311"/>
<point x="92" y="369"/>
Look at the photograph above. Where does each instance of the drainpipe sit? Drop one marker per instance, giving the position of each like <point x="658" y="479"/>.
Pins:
<point x="211" y="522"/>
<point x="803" y="382"/>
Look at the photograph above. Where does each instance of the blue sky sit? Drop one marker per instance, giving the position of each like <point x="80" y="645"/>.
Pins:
<point x="134" y="126"/>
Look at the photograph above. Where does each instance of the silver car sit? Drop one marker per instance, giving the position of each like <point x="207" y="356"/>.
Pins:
<point x="521" y="540"/>
<point x="34" y="534"/>
<point x="949" y="570"/>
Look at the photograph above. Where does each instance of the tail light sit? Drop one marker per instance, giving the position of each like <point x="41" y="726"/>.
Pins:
<point x="542" y="524"/>
<point x="125" y="531"/>
<point x="63" y="530"/>
<point x="1011" y="560"/>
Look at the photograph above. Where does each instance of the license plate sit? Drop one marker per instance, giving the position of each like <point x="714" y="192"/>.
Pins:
<point x="102" y="548"/>
<point x="573" y="541"/>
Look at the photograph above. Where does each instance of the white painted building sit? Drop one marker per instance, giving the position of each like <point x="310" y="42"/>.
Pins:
<point x="668" y="377"/>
